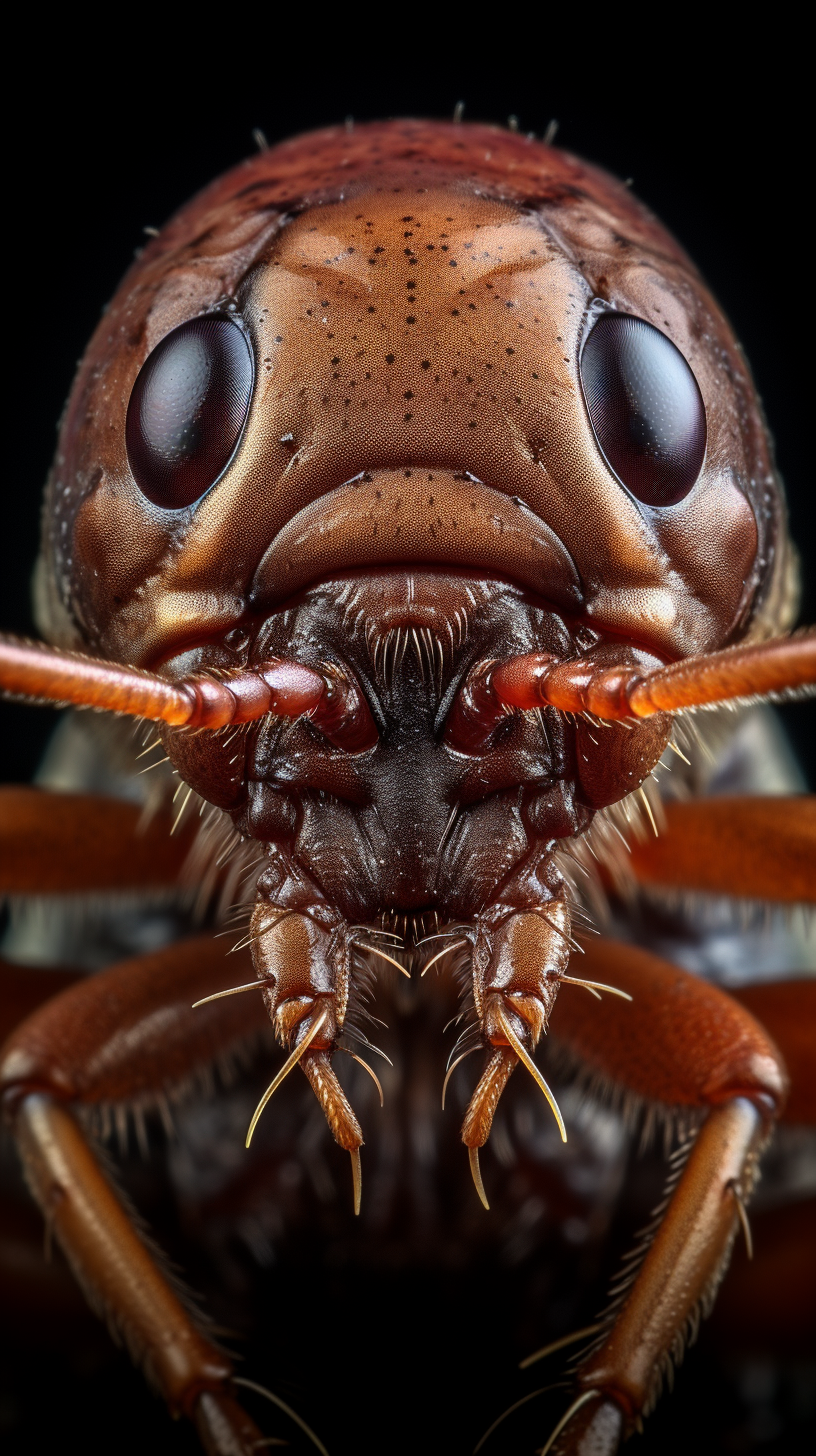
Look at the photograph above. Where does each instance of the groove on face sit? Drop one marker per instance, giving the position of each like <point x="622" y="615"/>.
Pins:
<point x="431" y="328"/>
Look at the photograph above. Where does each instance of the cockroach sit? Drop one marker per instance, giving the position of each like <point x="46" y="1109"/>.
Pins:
<point x="414" y="493"/>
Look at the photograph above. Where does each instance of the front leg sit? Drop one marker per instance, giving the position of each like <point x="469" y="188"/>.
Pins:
<point x="684" y="1044"/>
<point x="124" y="1037"/>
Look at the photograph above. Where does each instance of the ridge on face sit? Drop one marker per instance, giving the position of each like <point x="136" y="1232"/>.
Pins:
<point x="407" y="308"/>
<point x="407" y="460"/>
<point x="412" y="822"/>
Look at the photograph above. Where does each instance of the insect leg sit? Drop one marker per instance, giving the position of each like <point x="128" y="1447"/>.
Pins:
<point x="24" y="988"/>
<point x="787" y="1010"/>
<point x="768" y="1301"/>
<point x="55" y="843"/>
<point x="124" y="1036"/>
<point x="684" y="1044"/>
<point x="756" y="848"/>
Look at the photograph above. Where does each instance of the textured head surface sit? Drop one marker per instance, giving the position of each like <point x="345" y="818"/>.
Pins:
<point x="416" y="295"/>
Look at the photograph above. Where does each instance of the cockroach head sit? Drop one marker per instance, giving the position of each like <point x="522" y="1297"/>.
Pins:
<point x="412" y="343"/>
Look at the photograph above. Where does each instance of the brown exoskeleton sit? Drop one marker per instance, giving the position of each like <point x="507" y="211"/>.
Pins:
<point x="414" y="486"/>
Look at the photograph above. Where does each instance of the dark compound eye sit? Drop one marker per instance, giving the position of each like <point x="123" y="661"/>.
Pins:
<point x="187" y="410"/>
<point x="645" y="407"/>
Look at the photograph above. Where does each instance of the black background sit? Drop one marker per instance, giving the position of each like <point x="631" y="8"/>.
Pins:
<point x="110" y="131"/>
<point x="107" y="143"/>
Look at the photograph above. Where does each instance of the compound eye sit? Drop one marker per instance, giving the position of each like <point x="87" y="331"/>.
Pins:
<point x="187" y="410"/>
<point x="645" y="408"/>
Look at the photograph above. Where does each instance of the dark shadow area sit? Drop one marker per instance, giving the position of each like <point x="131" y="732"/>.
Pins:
<point x="401" y="1359"/>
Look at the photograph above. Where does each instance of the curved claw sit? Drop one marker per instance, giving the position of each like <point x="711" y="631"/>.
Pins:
<point x="282" y="1405"/>
<point x="524" y="1056"/>
<point x="452" y="1069"/>
<point x="291" y="1061"/>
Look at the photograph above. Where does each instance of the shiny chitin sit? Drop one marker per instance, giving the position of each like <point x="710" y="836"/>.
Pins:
<point x="415" y="487"/>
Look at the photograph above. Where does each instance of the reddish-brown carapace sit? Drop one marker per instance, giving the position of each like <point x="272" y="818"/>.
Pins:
<point x="414" y="486"/>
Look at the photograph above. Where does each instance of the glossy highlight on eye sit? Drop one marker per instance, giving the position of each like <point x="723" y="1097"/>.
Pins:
<point x="187" y="410"/>
<point x="645" y="408"/>
<point x="404" y="657"/>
